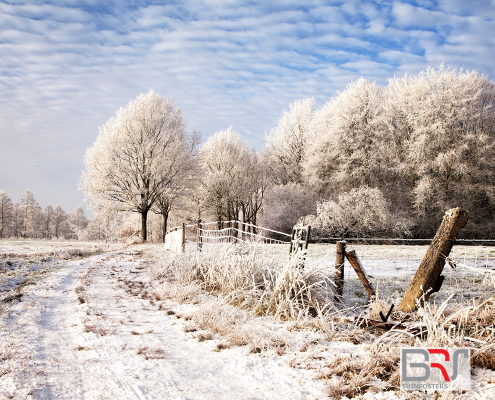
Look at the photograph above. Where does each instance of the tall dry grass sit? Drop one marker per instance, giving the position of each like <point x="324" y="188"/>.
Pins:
<point x="246" y="278"/>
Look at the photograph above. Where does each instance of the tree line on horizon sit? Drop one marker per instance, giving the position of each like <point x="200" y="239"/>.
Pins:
<point x="26" y="219"/>
<point x="373" y="161"/>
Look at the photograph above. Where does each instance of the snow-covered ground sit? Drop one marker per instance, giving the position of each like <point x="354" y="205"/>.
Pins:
<point x="63" y="341"/>
<point x="91" y="328"/>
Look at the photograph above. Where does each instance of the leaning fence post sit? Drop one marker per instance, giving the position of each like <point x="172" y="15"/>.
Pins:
<point x="183" y="241"/>
<point x="339" y="270"/>
<point x="361" y="273"/>
<point x="200" y="238"/>
<point x="427" y="278"/>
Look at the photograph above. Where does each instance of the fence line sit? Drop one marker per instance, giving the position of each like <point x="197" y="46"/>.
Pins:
<point x="390" y="267"/>
<point x="177" y="237"/>
<point x="233" y="234"/>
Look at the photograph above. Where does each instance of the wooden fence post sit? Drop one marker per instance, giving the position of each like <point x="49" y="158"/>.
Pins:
<point x="183" y="241"/>
<point x="200" y="239"/>
<point x="427" y="277"/>
<point x="361" y="273"/>
<point x="339" y="270"/>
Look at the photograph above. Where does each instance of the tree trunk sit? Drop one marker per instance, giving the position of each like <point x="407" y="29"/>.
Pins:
<point x="427" y="277"/>
<point x="165" y="220"/>
<point x="144" y="220"/>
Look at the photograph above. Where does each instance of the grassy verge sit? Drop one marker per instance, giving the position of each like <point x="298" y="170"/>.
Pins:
<point x="248" y="285"/>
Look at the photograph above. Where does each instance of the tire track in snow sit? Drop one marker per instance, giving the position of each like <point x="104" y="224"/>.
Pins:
<point x="109" y="366"/>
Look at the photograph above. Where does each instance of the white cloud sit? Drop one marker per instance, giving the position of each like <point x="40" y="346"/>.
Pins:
<point x="65" y="68"/>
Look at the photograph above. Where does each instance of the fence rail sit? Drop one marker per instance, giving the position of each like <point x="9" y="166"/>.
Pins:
<point x="204" y="233"/>
<point x="406" y="241"/>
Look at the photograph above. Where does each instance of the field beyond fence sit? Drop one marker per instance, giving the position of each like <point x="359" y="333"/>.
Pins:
<point x="468" y="271"/>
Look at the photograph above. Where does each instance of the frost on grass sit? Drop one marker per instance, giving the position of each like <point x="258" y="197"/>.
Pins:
<point x="275" y="286"/>
<point x="237" y="288"/>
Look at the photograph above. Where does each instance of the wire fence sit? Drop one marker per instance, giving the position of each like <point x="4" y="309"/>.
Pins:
<point x="468" y="272"/>
<point x="391" y="263"/>
<point x="202" y="234"/>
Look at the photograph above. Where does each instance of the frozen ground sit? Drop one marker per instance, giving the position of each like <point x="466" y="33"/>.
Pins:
<point x="392" y="267"/>
<point x="77" y="334"/>
<point x="86" y="329"/>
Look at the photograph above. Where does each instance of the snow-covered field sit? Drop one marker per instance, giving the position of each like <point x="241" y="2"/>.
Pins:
<point x="97" y="328"/>
<point x="393" y="266"/>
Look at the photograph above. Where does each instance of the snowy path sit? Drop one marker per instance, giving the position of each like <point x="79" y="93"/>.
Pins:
<point x="85" y="332"/>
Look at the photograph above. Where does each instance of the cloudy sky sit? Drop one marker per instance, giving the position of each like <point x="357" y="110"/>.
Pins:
<point x="67" y="66"/>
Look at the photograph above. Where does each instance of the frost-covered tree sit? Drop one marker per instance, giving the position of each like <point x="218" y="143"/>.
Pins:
<point x="31" y="215"/>
<point x="176" y="191"/>
<point x="6" y="208"/>
<point x="286" y="144"/>
<point x="361" y="212"/>
<point x="441" y="140"/>
<point x="47" y="222"/>
<point x="233" y="177"/>
<point x="285" y="205"/>
<point x="223" y="160"/>
<point x="105" y="226"/>
<point x="17" y="220"/>
<point x="137" y="154"/>
<point x="59" y="221"/>
<point x="257" y="182"/>
<point x="77" y="222"/>
<point x="345" y="150"/>
<point x="164" y="203"/>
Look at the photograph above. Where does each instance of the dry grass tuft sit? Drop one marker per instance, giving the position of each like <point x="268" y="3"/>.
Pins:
<point x="204" y="336"/>
<point x="80" y="289"/>
<point x="246" y="279"/>
<point x="222" y="346"/>
<point x="105" y="331"/>
<point x="351" y="377"/>
<point x="89" y="327"/>
<point x="98" y="329"/>
<point x="189" y="328"/>
<point x="151" y="352"/>
<point x="484" y="359"/>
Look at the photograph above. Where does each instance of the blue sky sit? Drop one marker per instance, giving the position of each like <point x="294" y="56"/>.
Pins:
<point x="67" y="66"/>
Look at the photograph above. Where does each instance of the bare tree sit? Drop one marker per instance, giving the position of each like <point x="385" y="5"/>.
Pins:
<point x="136" y="155"/>
<point x="31" y="215"/>
<point x="47" y="222"/>
<point x="59" y="221"/>
<point x="6" y="208"/>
